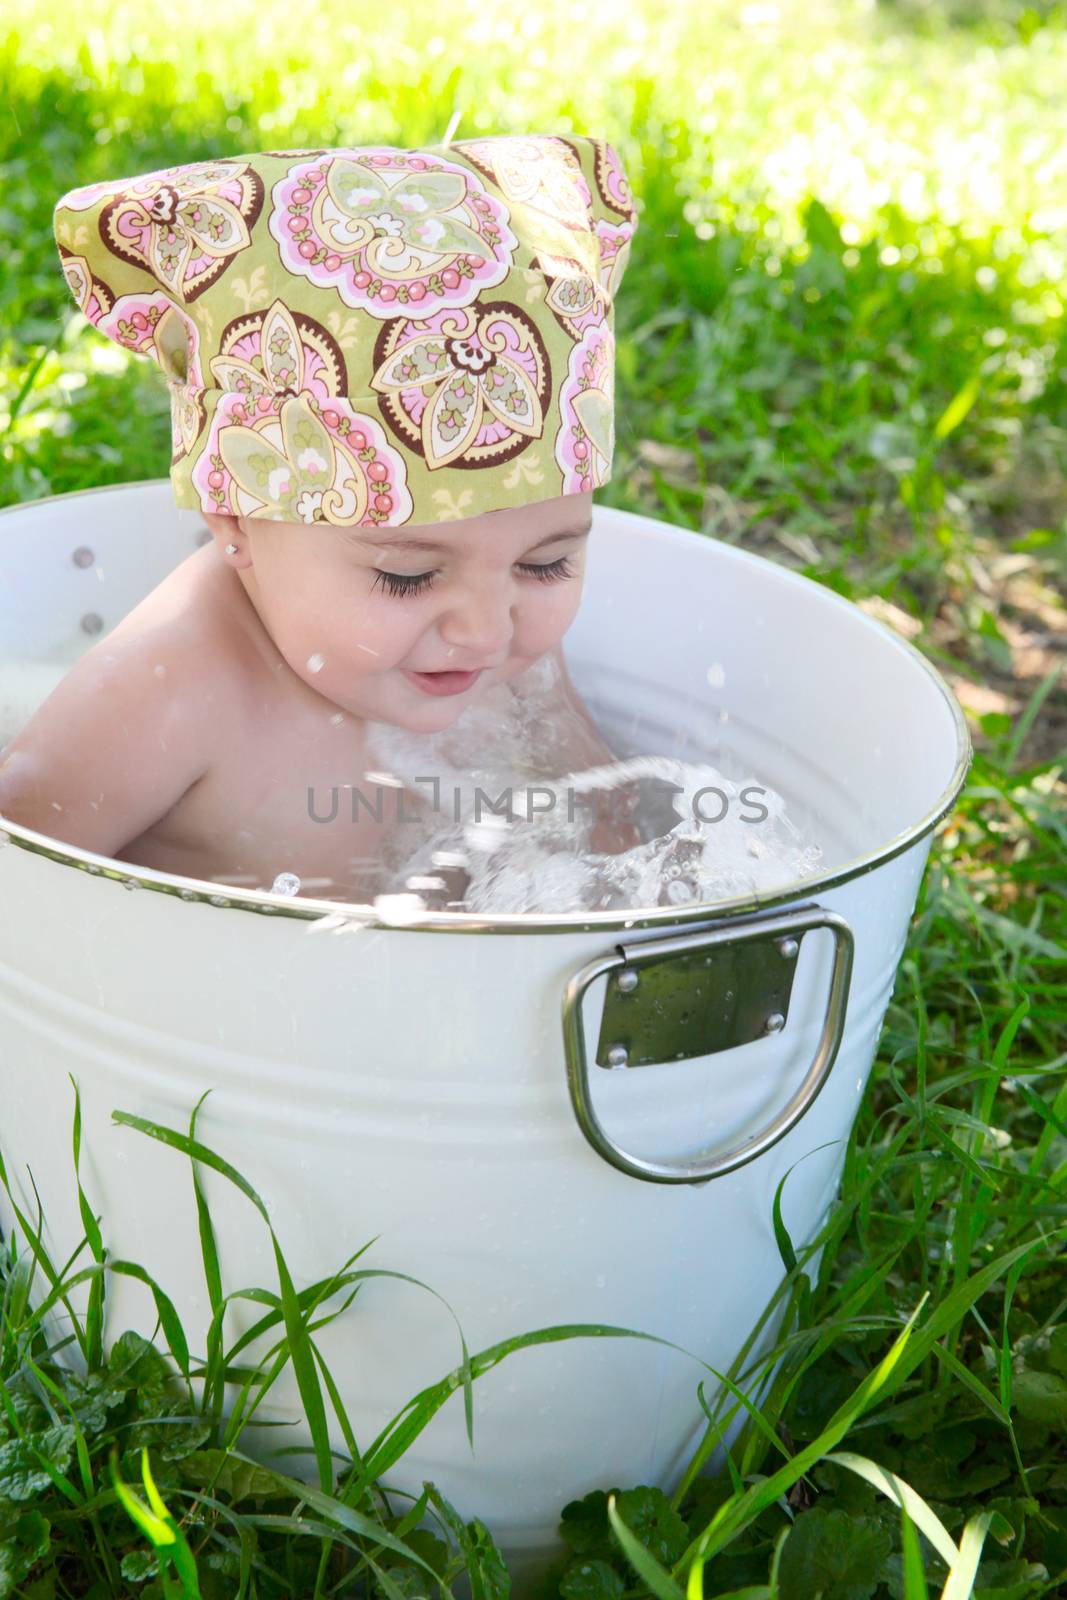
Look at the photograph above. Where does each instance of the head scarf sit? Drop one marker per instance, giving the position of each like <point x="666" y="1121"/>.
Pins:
<point x="372" y="335"/>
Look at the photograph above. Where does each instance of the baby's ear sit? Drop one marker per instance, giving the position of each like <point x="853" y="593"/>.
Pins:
<point x="222" y="525"/>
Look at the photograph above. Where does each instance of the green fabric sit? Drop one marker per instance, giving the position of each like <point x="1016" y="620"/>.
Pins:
<point x="370" y="336"/>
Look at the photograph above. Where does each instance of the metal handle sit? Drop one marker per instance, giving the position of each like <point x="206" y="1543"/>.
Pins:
<point x="745" y="947"/>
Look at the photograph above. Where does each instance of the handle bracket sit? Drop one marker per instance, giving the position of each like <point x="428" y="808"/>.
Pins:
<point x="693" y="995"/>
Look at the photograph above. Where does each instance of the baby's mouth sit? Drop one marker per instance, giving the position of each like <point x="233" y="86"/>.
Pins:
<point x="443" y="682"/>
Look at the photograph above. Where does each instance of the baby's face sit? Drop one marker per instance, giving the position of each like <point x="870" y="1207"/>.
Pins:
<point x="358" y="613"/>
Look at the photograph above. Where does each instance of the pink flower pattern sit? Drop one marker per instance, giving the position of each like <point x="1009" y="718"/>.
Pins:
<point x="585" y="442"/>
<point x="284" y="438"/>
<point x="347" y="331"/>
<point x="464" y="387"/>
<point x="392" y="230"/>
<point x="184" y="224"/>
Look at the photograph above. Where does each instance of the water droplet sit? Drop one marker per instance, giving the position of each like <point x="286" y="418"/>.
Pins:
<point x="316" y="663"/>
<point x="285" y="883"/>
<point x="130" y="883"/>
<point x="83" y="556"/>
<point x="716" y="675"/>
<point x="160" y="670"/>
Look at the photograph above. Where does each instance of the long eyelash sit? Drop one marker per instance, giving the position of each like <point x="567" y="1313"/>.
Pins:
<point x="551" y="572"/>
<point x="400" y="584"/>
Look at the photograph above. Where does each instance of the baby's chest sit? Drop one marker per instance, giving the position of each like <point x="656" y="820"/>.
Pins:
<point x="294" y="803"/>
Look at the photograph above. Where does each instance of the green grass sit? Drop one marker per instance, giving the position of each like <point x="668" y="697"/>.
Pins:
<point x="841" y="343"/>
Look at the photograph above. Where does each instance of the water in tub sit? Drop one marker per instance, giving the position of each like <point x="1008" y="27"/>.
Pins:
<point x="502" y="837"/>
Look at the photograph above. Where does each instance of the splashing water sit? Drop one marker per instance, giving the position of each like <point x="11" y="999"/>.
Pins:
<point x="506" y="838"/>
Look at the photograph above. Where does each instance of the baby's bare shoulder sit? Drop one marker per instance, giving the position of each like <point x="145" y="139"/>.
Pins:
<point x="130" y="728"/>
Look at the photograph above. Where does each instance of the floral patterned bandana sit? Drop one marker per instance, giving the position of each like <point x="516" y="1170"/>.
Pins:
<point x="374" y="335"/>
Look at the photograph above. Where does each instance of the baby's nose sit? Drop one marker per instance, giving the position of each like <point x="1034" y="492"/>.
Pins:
<point x="482" y="626"/>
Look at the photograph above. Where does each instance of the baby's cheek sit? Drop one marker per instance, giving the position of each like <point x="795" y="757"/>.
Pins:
<point x="389" y="643"/>
<point x="359" y="627"/>
<point x="549" y="621"/>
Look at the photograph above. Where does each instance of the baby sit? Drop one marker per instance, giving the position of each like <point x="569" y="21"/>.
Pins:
<point x="391" y="381"/>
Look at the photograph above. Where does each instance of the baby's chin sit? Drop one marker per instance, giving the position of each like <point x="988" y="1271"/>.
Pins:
<point x="394" y="700"/>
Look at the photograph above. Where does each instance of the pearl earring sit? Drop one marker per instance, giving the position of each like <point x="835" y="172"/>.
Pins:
<point x="231" y="549"/>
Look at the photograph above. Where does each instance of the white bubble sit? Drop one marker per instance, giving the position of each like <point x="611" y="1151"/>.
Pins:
<point x="399" y="908"/>
<point x="545" y="861"/>
<point x="448" y="858"/>
<point x="716" y="675"/>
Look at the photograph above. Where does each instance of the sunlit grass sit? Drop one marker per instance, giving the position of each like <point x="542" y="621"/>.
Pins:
<point x="781" y="101"/>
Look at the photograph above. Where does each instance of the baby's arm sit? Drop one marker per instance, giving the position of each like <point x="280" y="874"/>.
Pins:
<point x="118" y="741"/>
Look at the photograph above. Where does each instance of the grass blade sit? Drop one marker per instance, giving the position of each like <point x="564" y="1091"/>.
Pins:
<point x="94" y="1320"/>
<point x="169" y="1319"/>
<point x="195" y="1150"/>
<point x="642" y="1560"/>
<point x="914" y="1572"/>
<point x="307" y="1377"/>
<point x="902" y="1494"/>
<point x="960" y="1581"/>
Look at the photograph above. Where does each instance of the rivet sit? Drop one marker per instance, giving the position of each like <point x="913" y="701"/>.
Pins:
<point x="91" y="623"/>
<point x="774" y="1023"/>
<point x="626" y="980"/>
<point x="618" y="1055"/>
<point x="787" y="948"/>
<point x="83" y="556"/>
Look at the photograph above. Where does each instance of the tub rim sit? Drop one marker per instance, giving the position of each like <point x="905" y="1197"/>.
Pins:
<point x="341" y="913"/>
